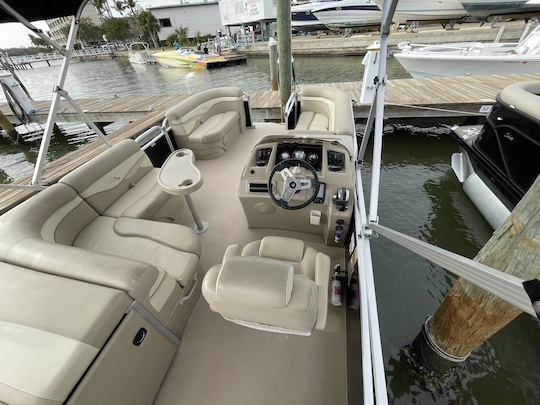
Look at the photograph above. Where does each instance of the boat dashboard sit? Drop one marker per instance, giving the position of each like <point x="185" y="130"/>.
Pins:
<point x="299" y="184"/>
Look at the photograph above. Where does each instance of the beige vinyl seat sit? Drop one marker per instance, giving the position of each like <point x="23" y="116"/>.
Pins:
<point x="209" y="121"/>
<point x="58" y="232"/>
<point x="70" y="341"/>
<point x="275" y="284"/>
<point x="123" y="182"/>
<point x="325" y="109"/>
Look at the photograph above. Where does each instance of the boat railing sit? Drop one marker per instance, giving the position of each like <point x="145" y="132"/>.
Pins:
<point x="367" y="227"/>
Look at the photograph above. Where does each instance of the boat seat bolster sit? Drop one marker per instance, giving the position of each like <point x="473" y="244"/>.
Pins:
<point x="255" y="281"/>
<point x="175" y="236"/>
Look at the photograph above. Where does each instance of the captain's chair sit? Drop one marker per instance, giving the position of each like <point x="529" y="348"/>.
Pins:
<point x="274" y="284"/>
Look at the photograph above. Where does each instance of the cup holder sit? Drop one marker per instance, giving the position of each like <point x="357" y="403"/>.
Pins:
<point x="185" y="183"/>
<point x="181" y="154"/>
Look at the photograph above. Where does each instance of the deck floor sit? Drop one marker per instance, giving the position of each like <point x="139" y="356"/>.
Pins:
<point x="220" y="362"/>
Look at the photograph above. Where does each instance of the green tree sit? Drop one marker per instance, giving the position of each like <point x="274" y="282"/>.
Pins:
<point x="119" y="6"/>
<point x="102" y="8"/>
<point x="39" y="42"/>
<point x="148" y="24"/>
<point x="87" y="32"/>
<point x="117" y="29"/>
<point x="132" y="6"/>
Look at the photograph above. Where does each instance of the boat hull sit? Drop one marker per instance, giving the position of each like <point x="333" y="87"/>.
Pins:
<point x="418" y="10"/>
<point x="419" y="65"/>
<point x="173" y="60"/>
<point x="486" y="8"/>
<point x="349" y="16"/>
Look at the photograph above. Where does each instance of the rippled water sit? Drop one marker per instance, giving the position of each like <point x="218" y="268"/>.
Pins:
<point x="420" y="196"/>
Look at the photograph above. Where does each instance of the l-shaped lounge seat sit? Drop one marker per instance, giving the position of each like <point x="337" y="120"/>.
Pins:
<point x="324" y="109"/>
<point x="208" y="122"/>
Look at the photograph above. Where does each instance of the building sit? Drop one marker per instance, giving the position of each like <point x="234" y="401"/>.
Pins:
<point x="198" y="16"/>
<point x="255" y="16"/>
<point x="56" y="25"/>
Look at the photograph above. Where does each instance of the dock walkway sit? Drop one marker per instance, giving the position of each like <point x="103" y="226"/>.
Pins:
<point x="435" y="97"/>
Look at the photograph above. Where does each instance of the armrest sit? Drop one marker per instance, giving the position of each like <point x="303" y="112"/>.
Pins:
<point x="175" y="236"/>
<point x="232" y="250"/>
<point x="322" y="279"/>
<point x="134" y="277"/>
<point x="255" y="281"/>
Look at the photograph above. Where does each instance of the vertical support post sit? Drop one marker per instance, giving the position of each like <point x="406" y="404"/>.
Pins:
<point x="273" y="56"/>
<point x="284" y="50"/>
<point x="525" y="32"/>
<point x="46" y="140"/>
<point x="469" y="315"/>
<point x="389" y="8"/>
<point x="499" y="34"/>
<point x="371" y="63"/>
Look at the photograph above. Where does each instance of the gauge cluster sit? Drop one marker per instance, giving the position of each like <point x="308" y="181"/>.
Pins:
<point x="308" y="153"/>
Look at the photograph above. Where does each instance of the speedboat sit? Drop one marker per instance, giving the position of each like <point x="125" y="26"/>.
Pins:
<point x="140" y="56"/>
<point x="472" y="58"/>
<point x="418" y="10"/>
<point x="302" y="17"/>
<point x="486" y="8"/>
<point x="195" y="59"/>
<point x="348" y="14"/>
<point x="499" y="161"/>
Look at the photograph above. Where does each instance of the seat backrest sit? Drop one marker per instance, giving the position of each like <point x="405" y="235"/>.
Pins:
<point x="105" y="178"/>
<point x="188" y="115"/>
<point x="333" y="103"/>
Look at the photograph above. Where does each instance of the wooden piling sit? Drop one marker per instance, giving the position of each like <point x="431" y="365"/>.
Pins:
<point x="273" y="56"/>
<point x="469" y="315"/>
<point x="284" y="50"/>
<point x="8" y="127"/>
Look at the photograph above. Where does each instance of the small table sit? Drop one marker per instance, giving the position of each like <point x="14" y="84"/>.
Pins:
<point x="180" y="176"/>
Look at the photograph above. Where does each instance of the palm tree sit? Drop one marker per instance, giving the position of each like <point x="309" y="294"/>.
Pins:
<point x="132" y="5"/>
<point x="148" y="24"/>
<point x="102" y="8"/>
<point x="119" y="6"/>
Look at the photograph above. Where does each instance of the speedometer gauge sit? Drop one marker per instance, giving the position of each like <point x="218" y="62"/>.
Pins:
<point x="312" y="158"/>
<point x="299" y="154"/>
<point x="284" y="155"/>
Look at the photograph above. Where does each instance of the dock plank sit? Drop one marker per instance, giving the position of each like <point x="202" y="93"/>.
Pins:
<point x="402" y="96"/>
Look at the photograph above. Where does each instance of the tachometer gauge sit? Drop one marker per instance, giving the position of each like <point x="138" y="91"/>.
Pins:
<point x="299" y="154"/>
<point x="284" y="155"/>
<point x="312" y="158"/>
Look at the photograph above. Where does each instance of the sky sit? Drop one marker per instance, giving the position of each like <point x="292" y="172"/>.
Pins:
<point x="13" y="35"/>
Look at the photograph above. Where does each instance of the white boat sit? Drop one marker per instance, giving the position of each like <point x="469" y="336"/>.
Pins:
<point x="486" y="8"/>
<point x="302" y="17"/>
<point x="419" y="10"/>
<point x="472" y="58"/>
<point x="140" y="56"/>
<point x="348" y="13"/>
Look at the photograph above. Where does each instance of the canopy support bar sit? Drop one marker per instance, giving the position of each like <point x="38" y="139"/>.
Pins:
<point x="8" y="9"/>
<point x="51" y="118"/>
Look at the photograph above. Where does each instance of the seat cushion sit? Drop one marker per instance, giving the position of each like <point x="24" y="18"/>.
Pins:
<point x="50" y="337"/>
<point x="298" y="316"/>
<point x="145" y="199"/>
<point x="100" y="236"/>
<point x="215" y="127"/>
<point x="312" y="121"/>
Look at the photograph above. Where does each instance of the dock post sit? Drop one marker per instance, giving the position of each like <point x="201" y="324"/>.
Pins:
<point x="273" y="55"/>
<point x="469" y="315"/>
<point x="8" y="127"/>
<point x="284" y="50"/>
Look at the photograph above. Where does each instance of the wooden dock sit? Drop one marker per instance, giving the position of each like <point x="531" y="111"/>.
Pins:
<point x="405" y="98"/>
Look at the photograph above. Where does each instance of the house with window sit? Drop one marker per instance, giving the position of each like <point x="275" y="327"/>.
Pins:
<point x="198" y="16"/>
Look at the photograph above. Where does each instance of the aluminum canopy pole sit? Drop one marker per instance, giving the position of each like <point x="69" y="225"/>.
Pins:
<point x="389" y="8"/>
<point x="51" y="118"/>
<point x="30" y="26"/>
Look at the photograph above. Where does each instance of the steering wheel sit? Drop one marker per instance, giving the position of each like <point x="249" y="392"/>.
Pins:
<point x="291" y="171"/>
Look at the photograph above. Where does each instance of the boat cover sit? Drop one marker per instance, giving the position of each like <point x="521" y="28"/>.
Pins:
<point x="41" y="10"/>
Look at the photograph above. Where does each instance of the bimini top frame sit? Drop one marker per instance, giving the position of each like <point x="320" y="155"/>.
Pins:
<point x="25" y="12"/>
